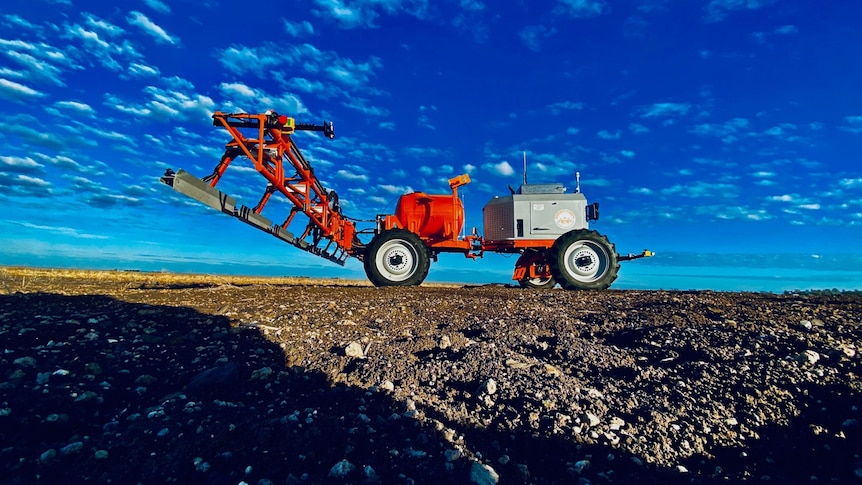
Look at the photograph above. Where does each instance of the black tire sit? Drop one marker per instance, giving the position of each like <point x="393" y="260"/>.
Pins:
<point x="533" y="283"/>
<point x="396" y="258"/>
<point x="538" y="283"/>
<point x="584" y="260"/>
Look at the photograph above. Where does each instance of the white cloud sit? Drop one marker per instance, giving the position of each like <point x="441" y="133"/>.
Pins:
<point x="103" y="26"/>
<point x="503" y="168"/>
<point x="243" y="95"/>
<point x="854" y="124"/>
<point x="107" y="54"/>
<point x="627" y="153"/>
<point x="702" y="189"/>
<point x="150" y="28"/>
<point x="32" y="181"/>
<point x="558" y="107"/>
<point x="786" y="30"/>
<point x="308" y="86"/>
<point x="641" y="191"/>
<point x="532" y="36"/>
<point x="718" y="10"/>
<point x="18" y="164"/>
<point x="16" y="20"/>
<point x="79" y="108"/>
<point x="323" y="66"/>
<point x="809" y="206"/>
<point x="364" y="13"/>
<point x="638" y="129"/>
<point x="665" y="109"/>
<point x="298" y="29"/>
<point x="365" y="106"/>
<point x="582" y="8"/>
<point x="851" y="183"/>
<point x="607" y="135"/>
<point x="166" y="104"/>
<point x="65" y="231"/>
<point x="395" y="189"/>
<point x="729" y="131"/>
<point x="141" y="70"/>
<point x="158" y="6"/>
<point x="763" y="174"/>
<point x="353" y="74"/>
<point x="18" y="92"/>
<point x="348" y="175"/>
<point x="780" y="130"/>
<point x="37" y="70"/>
<point x="469" y="168"/>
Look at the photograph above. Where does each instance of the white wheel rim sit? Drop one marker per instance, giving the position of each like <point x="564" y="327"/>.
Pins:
<point x="538" y="281"/>
<point x="396" y="260"/>
<point x="586" y="261"/>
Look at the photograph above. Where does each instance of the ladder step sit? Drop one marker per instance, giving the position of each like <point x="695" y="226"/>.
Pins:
<point x="249" y="216"/>
<point x="187" y="184"/>
<point x="285" y="236"/>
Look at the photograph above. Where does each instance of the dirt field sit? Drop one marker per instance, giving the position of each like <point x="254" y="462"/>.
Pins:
<point x="159" y="378"/>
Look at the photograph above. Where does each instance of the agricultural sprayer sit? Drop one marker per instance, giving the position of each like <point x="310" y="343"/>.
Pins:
<point x="546" y="226"/>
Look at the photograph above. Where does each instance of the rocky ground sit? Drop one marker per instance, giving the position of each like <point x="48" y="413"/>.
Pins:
<point x="136" y="378"/>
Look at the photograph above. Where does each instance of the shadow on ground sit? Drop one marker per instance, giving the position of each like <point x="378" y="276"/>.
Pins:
<point x="98" y="389"/>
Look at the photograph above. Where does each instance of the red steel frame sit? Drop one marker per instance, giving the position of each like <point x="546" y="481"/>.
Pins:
<point x="268" y="145"/>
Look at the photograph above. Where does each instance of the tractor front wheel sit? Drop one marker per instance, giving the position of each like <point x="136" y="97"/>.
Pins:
<point x="396" y="258"/>
<point x="583" y="260"/>
<point x="537" y="259"/>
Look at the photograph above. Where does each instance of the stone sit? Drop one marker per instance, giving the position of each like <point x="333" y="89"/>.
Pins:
<point x="849" y="350"/>
<point x="488" y="387"/>
<point x="25" y="362"/>
<point x="483" y="474"/>
<point x="580" y="466"/>
<point x="808" y="357"/>
<point x="354" y="350"/>
<point x="48" y="455"/>
<point x="72" y="448"/>
<point x="262" y="374"/>
<point x="220" y="381"/>
<point x="452" y="454"/>
<point x="445" y="342"/>
<point x="341" y="469"/>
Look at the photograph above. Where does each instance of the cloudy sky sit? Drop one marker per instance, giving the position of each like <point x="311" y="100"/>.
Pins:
<point x="704" y="128"/>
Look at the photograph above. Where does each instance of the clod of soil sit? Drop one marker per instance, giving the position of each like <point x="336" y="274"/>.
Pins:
<point x="147" y="378"/>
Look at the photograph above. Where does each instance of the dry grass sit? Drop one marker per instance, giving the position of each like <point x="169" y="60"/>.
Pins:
<point x="27" y="280"/>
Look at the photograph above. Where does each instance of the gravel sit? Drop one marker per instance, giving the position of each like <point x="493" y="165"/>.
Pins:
<point x="112" y="380"/>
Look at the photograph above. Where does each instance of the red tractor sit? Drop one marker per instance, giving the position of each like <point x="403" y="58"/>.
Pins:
<point x="546" y="226"/>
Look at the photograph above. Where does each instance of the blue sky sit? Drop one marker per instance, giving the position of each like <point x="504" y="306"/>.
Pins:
<point x="725" y="135"/>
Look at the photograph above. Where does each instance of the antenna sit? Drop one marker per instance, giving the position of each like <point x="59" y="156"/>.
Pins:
<point x="525" y="167"/>
<point x="578" y="182"/>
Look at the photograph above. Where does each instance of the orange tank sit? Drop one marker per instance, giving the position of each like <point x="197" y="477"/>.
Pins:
<point x="431" y="216"/>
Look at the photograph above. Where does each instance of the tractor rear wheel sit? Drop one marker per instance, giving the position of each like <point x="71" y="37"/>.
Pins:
<point x="396" y="258"/>
<point x="534" y="258"/>
<point x="583" y="260"/>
